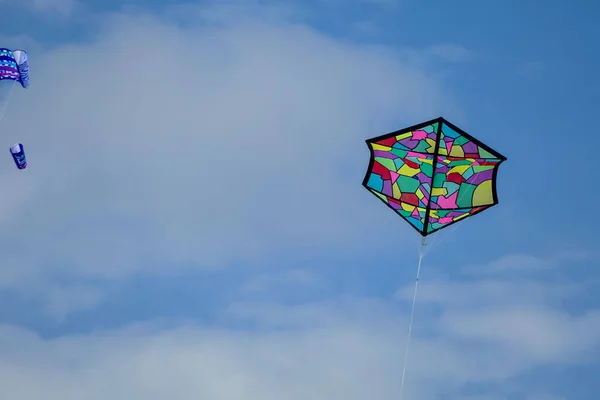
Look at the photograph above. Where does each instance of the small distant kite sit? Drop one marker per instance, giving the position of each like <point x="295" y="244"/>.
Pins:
<point x="14" y="66"/>
<point x="18" y="154"/>
<point x="433" y="174"/>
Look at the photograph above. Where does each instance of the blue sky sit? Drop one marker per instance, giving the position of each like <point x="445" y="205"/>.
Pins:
<point x="192" y="222"/>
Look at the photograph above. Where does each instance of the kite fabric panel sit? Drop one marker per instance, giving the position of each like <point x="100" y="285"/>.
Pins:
<point x="14" y="65"/>
<point x="433" y="174"/>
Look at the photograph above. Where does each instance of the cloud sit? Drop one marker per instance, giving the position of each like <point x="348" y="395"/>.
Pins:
<point x="349" y="349"/>
<point x="169" y="147"/>
<point x="59" y="7"/>
<point x="460" y="293"/>
<point x="528" y="264"/>
<point x="514" y="280"/>
<point x="450" y="52"/>
<point x="192" y="362"/>
<point x="60" y="301"/>
<point x="524" y="324"/>
<point x="288" y="279"/>
<point x="513" y="262"/>
<point x="549" y="336"/>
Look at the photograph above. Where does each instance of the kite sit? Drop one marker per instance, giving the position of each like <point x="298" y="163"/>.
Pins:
<point x="14" y="66"/>
<point x="18" y="154"/>
<point x="433" y="174"/>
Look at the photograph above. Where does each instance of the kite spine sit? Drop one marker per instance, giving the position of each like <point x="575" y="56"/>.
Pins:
<point x="436" y="151"/>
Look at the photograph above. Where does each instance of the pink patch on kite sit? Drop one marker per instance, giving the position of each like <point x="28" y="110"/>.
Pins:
<point x="394" y="176"/>
<point x="449" y="145"/>
<point x="415" y="213"/>
<point x="446" y="220"/>
<point x="449" y="202"/>
<point x="419" y="135"/>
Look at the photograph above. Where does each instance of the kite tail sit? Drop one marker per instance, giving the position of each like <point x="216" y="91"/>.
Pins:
<point x="412" y="314"/>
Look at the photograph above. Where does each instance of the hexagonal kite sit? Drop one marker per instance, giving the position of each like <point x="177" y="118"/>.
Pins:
<point x="433" y="174"/>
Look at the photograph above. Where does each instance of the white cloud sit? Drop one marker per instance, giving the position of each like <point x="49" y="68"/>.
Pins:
<point x="512" y="262"/>
<point x="60" y="7"/>
<point x="163" y="145"/>
<point x="520" y="323"/>
<point x="520" y="263"/>
<point x="288" y="279"/>
<point x="549" y="336"/>
<point x="321" y="351"/>
<point x="192" y="363"/>
<point x="489" y="292"/>
<point x="60" y="301"/>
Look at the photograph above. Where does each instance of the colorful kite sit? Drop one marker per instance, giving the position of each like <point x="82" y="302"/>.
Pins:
<point x="433" y="174"/>
<point x="14" y="66"/>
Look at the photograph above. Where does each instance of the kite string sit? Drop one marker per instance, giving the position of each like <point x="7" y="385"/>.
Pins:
<point x="412" y="314"/>
<point x="422" y="252"/>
